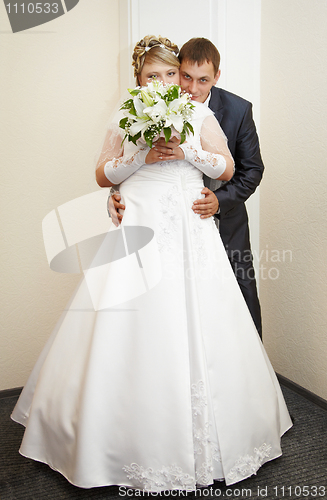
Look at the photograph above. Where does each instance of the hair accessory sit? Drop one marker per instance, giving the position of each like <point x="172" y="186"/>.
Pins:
<point x="162" y="46"/>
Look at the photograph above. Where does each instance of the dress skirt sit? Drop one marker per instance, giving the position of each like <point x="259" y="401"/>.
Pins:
<point x="155" y="376"/>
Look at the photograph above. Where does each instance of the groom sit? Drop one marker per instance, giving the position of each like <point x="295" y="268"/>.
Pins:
<point x="199" y="72"/>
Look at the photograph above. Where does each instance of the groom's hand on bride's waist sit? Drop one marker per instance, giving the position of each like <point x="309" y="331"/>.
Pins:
<point x="207" y="206"/>
<point x="113" y="205"/>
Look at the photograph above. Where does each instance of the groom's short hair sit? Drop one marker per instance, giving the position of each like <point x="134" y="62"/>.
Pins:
<point x="200" y="50"/>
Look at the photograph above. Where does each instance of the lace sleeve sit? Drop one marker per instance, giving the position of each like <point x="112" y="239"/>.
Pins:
<point x="119" y="164"/>
<point x="119" y="169"/>
<point x="213" y="158"/>
<point x="111" y="147"/>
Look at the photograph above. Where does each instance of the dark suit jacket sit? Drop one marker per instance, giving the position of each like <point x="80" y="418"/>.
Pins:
<point x="235" y="117"/>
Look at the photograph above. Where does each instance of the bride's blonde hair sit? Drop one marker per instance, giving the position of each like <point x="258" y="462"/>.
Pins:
<point x="154" y="49"/>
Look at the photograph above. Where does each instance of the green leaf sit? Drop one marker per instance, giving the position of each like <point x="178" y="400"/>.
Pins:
<point x="167" y="132"/>
<point x="183" y="137"/>
<point x="122" y="123"/>
<point x="134" y="92"/>
<point x="172" y="93"/>
<point x="148" y="141"/>
<point x="188" y="127"/>
<point x="147" y="138"/>
<point x="133" y="111"/>
<point x="127" y="104"/>
<point x="134" y="138"/>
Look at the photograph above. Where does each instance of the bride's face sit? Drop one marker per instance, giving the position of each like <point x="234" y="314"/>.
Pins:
<point x="162" y="72"/>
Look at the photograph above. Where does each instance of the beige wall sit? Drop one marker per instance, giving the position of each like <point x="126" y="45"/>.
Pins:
<point x="59" y="83"/>
<point x="293" y="193"/>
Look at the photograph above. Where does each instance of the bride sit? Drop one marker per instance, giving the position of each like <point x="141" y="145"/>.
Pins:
<point x="163" y="383"/>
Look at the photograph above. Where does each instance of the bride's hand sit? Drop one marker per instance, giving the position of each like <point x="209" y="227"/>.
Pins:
<point x="163" y="151"/>
<point x="153" y="156"/>
<point x="172" y="144"/>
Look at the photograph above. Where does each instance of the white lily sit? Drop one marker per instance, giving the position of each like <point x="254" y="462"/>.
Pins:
<point x="154" y="110"/>
<point x="146" y="97"/>
<point x="141" y="120"/>
<point x="176" y="121"/>
<point x="157" y="112"/>
<point x="139" y="126"/>
<point x="155" y="86"/>
<point x="177" y="104"/>
<point x="139" y="106"/>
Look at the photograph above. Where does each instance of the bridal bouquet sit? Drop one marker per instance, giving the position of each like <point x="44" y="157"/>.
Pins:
<point x="155" y="109"/>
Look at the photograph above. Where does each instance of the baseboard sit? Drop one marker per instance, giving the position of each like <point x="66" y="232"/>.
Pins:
<point x="9" y="393"/>
<point x="302" y="391"/>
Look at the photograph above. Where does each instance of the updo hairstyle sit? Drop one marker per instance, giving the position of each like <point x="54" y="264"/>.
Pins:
<point x="154" y="49"/>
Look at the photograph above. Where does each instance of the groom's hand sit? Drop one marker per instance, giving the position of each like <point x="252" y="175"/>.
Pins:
<point x="206" y="206"/>
<point x="113" y="205"/>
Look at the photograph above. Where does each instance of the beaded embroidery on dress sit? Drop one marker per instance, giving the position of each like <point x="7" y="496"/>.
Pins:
<point x="172" y="388"/>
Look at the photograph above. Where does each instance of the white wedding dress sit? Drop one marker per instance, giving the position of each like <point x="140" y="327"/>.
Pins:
<point x="155" y="377"/>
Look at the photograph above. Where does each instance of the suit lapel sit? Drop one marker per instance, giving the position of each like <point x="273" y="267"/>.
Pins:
<point x="217" y="107"/>
<point x="215" y="104"/>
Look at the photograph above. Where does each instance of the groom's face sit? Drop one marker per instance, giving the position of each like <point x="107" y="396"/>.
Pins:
<point x="198" y="80"/>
